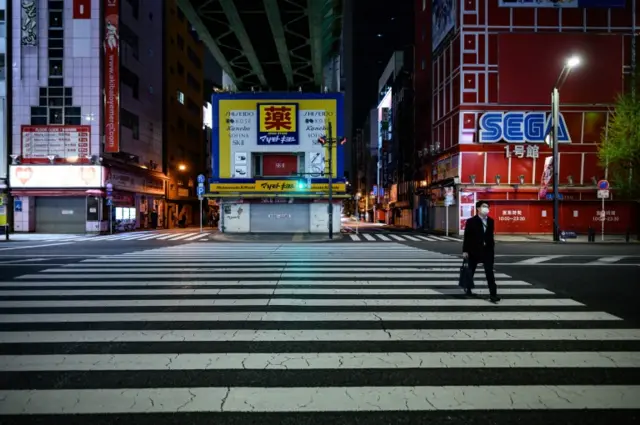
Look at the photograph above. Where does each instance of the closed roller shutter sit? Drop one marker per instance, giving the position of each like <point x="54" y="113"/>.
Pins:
<point x="60" y="215"/>
<point x="280" y="218"/>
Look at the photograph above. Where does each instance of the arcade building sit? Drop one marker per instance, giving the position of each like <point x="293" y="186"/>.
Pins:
<point x="493" y="74"/>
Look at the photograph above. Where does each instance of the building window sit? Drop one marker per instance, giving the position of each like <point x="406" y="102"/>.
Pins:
<point x="424" y="5"/>
<point x="194" y="58"/>
<point x="424" y="64"/>
<point x="180" y="97"/>
<point x="135" y="8"/>
<point x="180" y="69"/>
<point x="193" y="83"/>
<point x="181" y="124"/>
<point x="193" y="107"/>
<point x="130" y="79"/>
<point x="193" y="133"/>
<point x="55" y="116"/>
<point x="180" y="14"/>
<point x="55" y="67"/>
<point x="55" y="19"/>
<point x="3" y="75"/>
<point x="130" y="38"/>
<point x="180" y="41"/>
<point x="424" y="32"/>
<point x="130" y="121"/>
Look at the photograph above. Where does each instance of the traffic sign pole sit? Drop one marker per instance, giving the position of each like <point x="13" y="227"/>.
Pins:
<point x="603" y="189"/>
<point x="201" y="180"/>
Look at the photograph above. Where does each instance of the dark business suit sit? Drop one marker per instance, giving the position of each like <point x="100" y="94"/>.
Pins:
<point x="479" y="243"/>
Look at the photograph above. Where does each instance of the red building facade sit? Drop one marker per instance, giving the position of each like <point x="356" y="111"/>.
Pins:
<point x="499" y="59"/>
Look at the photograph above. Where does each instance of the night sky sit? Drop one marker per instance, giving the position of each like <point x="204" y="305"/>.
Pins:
<point x="380" y="27"/>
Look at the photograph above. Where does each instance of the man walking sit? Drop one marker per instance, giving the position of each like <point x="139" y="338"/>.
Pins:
<point x="479" y="246"/>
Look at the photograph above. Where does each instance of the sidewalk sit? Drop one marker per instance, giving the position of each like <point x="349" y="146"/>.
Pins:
<point x="62" y="237"/>
<point x="274" y="237"/>
<point x="617" y="239"/>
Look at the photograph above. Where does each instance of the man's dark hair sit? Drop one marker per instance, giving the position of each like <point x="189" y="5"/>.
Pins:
<point x="481" y="203"/>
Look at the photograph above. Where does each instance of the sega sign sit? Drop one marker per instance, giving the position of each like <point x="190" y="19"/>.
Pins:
<point x="519" y="127"/>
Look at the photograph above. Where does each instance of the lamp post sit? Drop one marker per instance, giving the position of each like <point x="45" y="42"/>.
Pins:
<point x="571" y="63"/>
<point x="357" y="212"/>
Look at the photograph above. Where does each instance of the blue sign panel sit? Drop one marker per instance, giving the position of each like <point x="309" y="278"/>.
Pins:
<point x="603" y="185"/>
<point x="200" y="190"/>
<point x="278" y="124"/>
<point x="200" y="178"/>
<point x="549" y="196"/>
<point x="109" y="202"/>
<point x="519" y="127"/>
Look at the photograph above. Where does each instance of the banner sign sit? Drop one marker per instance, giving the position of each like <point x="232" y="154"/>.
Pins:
<point x="111" y="76"/>
<point x="563" y="3"/>
<point x="278" y="124"/>
<point x="272" y="186"/>
<point x="519" y="127"/>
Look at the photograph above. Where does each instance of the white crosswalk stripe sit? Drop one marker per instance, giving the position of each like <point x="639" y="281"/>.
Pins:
<point x="272" y="331"/>
<point x="153" y="235"/>
<point x="390" y="237"/>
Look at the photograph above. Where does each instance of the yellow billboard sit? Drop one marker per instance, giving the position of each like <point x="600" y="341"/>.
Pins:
<point x="251" y="124"/>
<point x="274" y="186"/>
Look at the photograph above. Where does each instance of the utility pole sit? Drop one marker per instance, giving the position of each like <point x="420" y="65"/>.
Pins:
<point x="330" y="141"/>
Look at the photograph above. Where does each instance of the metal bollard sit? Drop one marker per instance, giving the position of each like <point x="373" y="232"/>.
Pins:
<point x="6" y="232"/>
<point x="627" y="237"/>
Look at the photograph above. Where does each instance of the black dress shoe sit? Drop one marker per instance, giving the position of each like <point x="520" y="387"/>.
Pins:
<point x="468" y="293"/>
<point x="494" y="298"/>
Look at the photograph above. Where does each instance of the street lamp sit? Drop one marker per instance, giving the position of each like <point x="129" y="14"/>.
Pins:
<point x="571" y="63"/>
<point x="182" y="167"/>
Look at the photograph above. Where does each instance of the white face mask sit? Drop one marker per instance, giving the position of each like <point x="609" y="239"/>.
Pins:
<point x="484" y="211"/>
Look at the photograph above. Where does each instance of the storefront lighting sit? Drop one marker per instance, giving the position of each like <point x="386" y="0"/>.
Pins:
<point x="497" y="178"/>
<point x="472" y="177"/>
<point x="182" y="167"/>
<point x="570" y="179"/>
<point x="521" y="179"/>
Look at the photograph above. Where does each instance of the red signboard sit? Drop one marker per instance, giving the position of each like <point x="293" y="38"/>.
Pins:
<point x="61" y="141"/>
<point x="537" y="217"/>
<point x="112" y="76"/>
<point x="81" y="9"/>
<point x="279" y="165"/>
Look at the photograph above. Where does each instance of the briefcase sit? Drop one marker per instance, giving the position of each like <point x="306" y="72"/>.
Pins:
<point x="466" y="276"/>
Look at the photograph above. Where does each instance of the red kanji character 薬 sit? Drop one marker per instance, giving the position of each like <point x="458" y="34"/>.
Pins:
<point x="277" y="118"/>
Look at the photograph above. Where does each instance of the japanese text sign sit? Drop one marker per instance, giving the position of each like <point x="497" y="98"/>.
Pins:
<point x="278" y="124"/>
<point x="522" y="151"/>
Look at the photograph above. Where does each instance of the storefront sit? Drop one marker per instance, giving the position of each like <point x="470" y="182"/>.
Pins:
<point x="138" y="200"/>
<point x="57" y="198"/>
<point x="278" y="215"/>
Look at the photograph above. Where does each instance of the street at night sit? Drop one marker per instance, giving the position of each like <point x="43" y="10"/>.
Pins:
<point x="309" y="333"/>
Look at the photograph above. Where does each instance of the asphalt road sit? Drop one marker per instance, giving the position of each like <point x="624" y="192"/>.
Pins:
<point x="160" y="332"/>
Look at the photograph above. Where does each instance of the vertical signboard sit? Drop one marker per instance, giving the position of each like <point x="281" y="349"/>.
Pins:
<point x="111" y="76"/>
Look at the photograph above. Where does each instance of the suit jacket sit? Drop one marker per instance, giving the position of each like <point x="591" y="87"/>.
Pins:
<point x="479" y="242"/>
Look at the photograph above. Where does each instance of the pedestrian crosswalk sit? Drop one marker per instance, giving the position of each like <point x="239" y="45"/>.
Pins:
<point x="393" y="237"/>
<point x="160" y="235"/>
<point x="239" y="333"/>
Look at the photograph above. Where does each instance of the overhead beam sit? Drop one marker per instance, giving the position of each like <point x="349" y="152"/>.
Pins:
<point x="203" y="32"/>
<point x="273" y="14"/>
<point x="238" y="28"/>
<point x="314" y="11"/>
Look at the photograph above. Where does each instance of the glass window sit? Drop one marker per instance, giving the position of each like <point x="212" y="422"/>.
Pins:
<point x="55" y="19"/>
<point x="3" y="30"/>
<point x="180" y="41"/>
<point x="55" y="67"/>
<point x="38" y="120"/>
<point x="180" y="97"/>
<point x="55" y="115"/>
